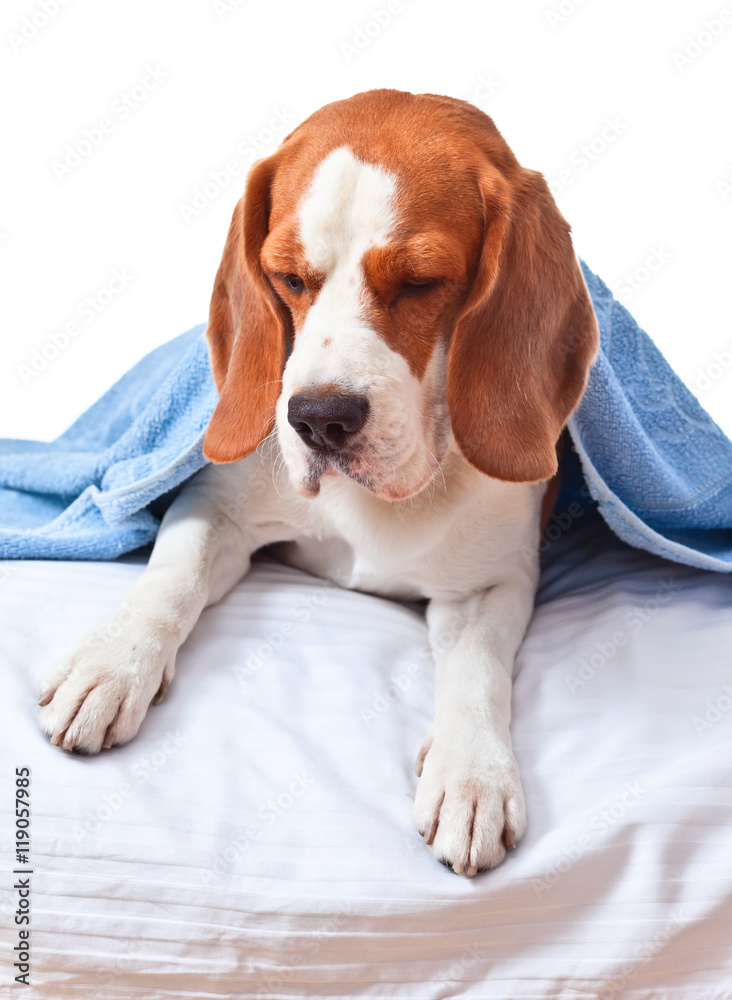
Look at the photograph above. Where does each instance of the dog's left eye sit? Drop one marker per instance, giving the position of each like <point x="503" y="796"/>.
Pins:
<point x="409" y="288"/>
<point x="294" y="283"/>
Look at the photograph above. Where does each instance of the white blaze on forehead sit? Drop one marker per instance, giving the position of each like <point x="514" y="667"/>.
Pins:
<point x="348" y="208"/>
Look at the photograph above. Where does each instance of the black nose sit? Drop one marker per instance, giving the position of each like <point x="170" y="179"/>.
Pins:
<point x="327" y="422"/>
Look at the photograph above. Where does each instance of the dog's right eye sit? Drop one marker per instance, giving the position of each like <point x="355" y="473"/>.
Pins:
<point x="417" y="287"/>
<point x="293" y="283"/>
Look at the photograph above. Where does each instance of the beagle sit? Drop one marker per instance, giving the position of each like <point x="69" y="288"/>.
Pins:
<point x="399" y="330"/>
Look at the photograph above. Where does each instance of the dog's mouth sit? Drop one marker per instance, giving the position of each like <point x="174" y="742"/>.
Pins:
<point x="331" y="463"/>
<point x="352" y="465"/>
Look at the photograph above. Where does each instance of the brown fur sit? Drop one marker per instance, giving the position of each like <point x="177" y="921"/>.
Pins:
<point x="247" y="331"/>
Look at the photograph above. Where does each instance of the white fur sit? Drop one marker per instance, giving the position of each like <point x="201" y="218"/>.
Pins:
<point x="467" y="543"/>
<point x="350" y="207"/>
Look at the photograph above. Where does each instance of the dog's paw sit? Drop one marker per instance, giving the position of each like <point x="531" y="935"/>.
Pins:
<point x="469" y="805"/>
<point x="98" y="697"/>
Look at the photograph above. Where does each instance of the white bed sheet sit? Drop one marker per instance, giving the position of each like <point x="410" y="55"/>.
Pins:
<point x="255" y="839"/>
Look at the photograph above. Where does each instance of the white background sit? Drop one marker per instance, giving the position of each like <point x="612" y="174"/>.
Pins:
<point x="552" y="74"/>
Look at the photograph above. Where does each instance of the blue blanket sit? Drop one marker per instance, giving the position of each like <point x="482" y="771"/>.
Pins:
<point x="653" y="461"/>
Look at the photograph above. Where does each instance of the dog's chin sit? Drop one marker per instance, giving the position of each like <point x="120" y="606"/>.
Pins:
<point x="320" y="466"/>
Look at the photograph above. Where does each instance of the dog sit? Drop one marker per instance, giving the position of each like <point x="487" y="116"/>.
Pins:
<point x="398" y="331"/>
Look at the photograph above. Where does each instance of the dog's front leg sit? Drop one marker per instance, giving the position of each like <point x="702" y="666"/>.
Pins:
<point x="469" y="804"/>
<point x="99" y="694"/>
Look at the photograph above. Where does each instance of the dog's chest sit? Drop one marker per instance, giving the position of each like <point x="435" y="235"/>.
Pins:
<point x="436" y="546"/>
<point x="373" y="568"/>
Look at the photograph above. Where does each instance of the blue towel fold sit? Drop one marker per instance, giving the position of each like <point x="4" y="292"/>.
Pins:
<point x="655" y="463"/>
<point x="87" y="494"/>
<point x="654" y="460"/>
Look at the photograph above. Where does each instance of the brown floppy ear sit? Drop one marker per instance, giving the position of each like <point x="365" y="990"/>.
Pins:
<point x="247" y="329"/>
<point x="524" y="343"/>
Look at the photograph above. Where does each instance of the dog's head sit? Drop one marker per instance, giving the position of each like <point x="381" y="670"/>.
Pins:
<point x="393" y="277"/>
